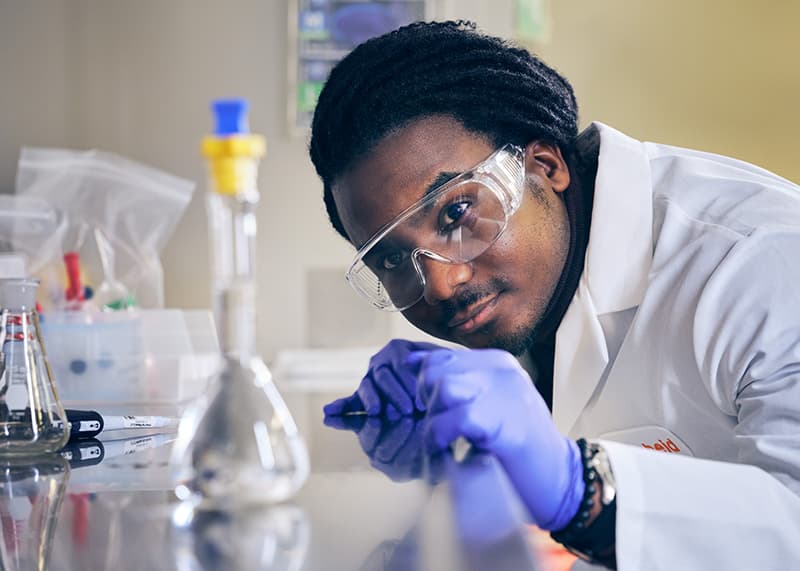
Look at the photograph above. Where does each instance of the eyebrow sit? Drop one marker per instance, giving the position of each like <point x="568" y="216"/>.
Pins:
<point x="441" y="178"/>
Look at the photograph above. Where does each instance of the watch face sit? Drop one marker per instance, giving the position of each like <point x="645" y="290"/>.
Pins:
<point x="602" y="466"/>
<point x="595" y="543"/>
<point x="579" y="554"/>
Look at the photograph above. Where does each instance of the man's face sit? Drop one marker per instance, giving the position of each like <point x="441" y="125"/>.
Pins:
<point x="497" y="299"/>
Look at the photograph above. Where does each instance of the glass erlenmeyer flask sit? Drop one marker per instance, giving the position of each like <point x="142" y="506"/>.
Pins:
<point x="30" y="411"/>
<point x="244" y="447"/>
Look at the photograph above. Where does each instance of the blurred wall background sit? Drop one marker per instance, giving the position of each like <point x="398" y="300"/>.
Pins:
<point x="135" y="78"/>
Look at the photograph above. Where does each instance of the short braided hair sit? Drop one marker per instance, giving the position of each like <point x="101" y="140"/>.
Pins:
<point x="436" y="68"/>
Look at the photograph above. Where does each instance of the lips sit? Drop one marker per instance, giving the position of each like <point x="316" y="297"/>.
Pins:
<point x="474" y="316"/>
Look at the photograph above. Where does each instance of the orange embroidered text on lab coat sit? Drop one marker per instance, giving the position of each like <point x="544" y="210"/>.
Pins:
<point x="661" y="446"/>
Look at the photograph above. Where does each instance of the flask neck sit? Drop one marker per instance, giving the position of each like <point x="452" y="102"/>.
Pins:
<point x="232" y="223"/>
<point x="21" y="327"/>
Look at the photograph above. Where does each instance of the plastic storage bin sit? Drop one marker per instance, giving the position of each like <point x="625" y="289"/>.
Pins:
<point x="138" y="362"/>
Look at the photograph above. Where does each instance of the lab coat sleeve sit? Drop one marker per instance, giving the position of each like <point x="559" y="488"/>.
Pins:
<point x="681" y="513"/>
<point x="677" y="512"/>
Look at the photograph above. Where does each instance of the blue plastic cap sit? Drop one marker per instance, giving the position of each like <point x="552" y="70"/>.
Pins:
<point x="231" y="116"/>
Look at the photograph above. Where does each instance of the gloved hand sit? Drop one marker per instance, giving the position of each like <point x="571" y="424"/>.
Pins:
<point x="485" y="396"/>
<point x="394" y="446"/>
<point x="389" y="387"/>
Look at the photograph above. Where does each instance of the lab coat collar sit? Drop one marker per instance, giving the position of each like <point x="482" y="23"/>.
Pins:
<point x="617" y="264"/>
<point x="620" y="249"/>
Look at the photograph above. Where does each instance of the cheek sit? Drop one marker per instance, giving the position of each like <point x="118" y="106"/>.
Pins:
<point x="425" y="318"/>
<point x="534" y="247"/>
<point x="528" y="258"/>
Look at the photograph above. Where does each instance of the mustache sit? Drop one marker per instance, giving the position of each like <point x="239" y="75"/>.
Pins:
<point x="471" y="294"/>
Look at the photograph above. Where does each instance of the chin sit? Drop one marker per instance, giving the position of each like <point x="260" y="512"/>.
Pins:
<point x="516" y="341"/>
<point x="515" y="337"/>
<point x="514" y="345"/>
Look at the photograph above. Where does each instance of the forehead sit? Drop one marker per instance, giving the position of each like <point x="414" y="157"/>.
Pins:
<point x="399" y="169"/>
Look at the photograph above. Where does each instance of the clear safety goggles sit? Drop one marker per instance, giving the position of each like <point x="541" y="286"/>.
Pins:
<point x="455" y="223"/>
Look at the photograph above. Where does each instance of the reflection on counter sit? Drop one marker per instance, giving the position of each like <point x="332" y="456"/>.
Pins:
<point x="386" y="505"/>
<point x="268" y="539"/>
<point x="30" y="500"/>
<point x="393" y="446"/>
<point x="473" y="519"/>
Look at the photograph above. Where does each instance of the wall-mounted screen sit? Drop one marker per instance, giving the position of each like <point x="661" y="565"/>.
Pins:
<point x="323" y="31"/>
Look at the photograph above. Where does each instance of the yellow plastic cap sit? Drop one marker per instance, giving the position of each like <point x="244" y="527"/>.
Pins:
<point x="254" y="146"/>
<point x="233" y="161"/>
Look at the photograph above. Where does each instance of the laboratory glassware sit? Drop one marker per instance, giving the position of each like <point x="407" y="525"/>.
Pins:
<point x="31" y="493"/>
<point x="31" y="414"/>
<point x="270" y="538"/>
<point x="242" y="447"/>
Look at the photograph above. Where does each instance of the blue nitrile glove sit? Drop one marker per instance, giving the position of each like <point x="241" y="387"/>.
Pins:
<point x="485" y="396"/>
<point x="394" y="446"/>
<point x="389" y="387"/>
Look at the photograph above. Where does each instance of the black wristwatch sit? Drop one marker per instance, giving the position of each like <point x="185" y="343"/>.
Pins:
<point x="594" y="543"/>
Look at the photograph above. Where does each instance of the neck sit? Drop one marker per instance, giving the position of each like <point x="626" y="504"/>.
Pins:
<point x="578" y="199"/>
<point x="233" y="223"/>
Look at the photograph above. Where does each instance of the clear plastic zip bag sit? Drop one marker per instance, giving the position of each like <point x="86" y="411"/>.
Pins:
<point x="118" y="215"/>
<point x="30" y="227"/>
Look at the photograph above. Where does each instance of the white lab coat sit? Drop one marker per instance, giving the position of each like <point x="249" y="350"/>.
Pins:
<point x="684" y="335"/>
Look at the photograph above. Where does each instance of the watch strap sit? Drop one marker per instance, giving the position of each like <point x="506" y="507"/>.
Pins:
<point x="597" y="541"/>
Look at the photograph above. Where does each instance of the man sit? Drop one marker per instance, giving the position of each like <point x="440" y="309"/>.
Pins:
<point x="652" y="292"/>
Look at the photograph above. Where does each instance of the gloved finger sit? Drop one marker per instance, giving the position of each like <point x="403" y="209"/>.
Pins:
<point x="415" y="358"/>
<point x="411" y="456"/>
<point x="413" y="363"/>
<point x="395" y="436"/>
<point x="408" y="379"/>
<point x="370" y="434"/>
<point x="463" y="361"/>
<point x="445" y="427"/>
<point x="370" y="397"/>
<point x="388" y="382"/>
<point x="391" y="413"/>
<point x="354" y="422"/>
<point x="344" y="405"/>
<point x="445" y="390"/>
<point x="407" y="375"/>
<point x="418" y="362"/>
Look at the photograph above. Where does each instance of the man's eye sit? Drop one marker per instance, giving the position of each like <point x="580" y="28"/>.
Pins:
<point x="452" y="214"/>
<point x="391" y="261"/>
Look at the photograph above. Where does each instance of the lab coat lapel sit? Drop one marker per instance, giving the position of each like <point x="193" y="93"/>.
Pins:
<point x="581" y="356"/>
<point x="618" y="259"/>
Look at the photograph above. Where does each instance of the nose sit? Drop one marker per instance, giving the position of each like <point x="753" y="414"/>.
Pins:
<point x="442" y="277"/>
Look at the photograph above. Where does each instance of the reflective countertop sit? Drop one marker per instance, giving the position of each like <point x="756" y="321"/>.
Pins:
<point x="373" y="501"/>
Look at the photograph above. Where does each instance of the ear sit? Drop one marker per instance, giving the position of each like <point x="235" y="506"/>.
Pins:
<point x="546" y="161"/>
